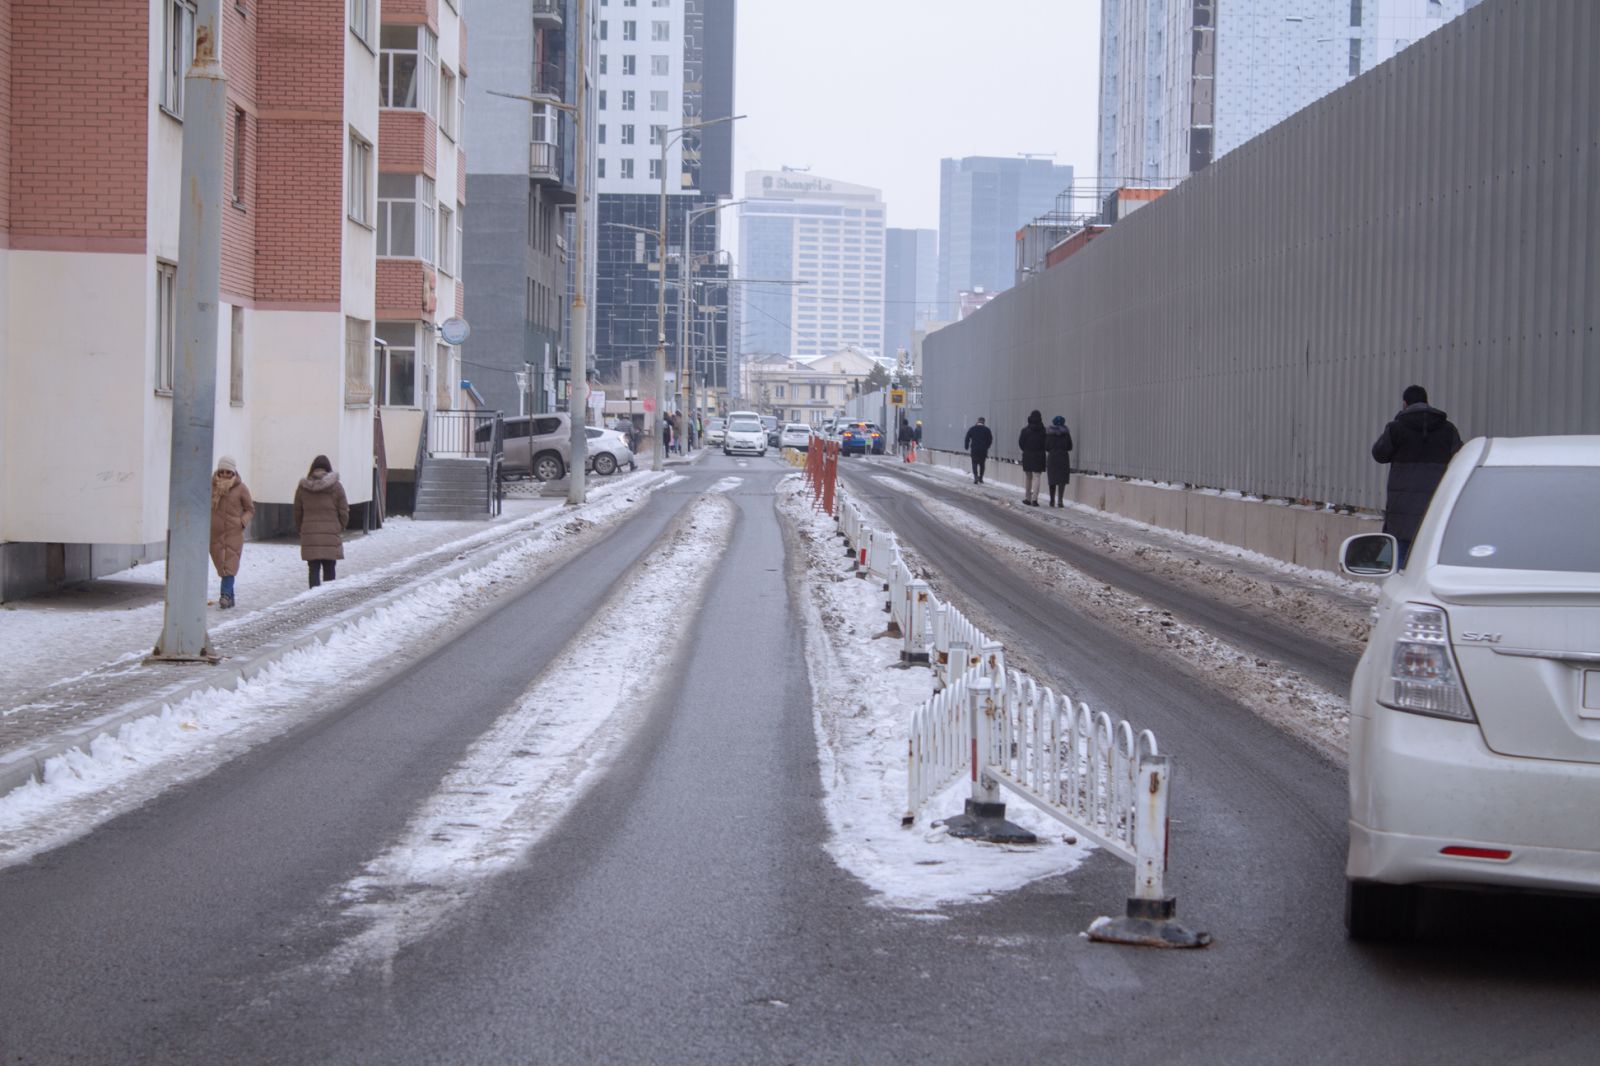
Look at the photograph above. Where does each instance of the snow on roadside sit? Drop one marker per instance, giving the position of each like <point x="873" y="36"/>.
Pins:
<point x="863" y="700"/>
<point x="184" y="741"/>
<point x="523" y="775"/>
<point x="1281" y="696"/>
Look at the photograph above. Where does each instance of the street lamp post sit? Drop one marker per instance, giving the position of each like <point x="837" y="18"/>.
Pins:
<point x="661" y="263"/>
<point x="578" y="386"/>
<point x="685" y="336"/>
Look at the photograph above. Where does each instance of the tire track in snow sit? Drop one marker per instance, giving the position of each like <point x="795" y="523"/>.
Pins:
<point x="519" y="779"/>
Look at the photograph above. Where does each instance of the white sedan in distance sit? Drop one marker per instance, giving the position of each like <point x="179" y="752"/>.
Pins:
<point x="745" y="435"/>
<point x="795" y="435"/>
<point x="1475" y="710"/>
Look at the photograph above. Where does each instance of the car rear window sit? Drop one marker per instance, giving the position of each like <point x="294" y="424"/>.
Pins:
<point x="1526" y="518"/>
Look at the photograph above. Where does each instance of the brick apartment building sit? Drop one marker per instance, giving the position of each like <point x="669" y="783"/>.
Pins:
<point x="343" y="187"/>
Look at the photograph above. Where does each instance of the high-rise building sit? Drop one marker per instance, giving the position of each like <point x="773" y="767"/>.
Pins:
<point x="521" y="183"/>
<point x="340" y="227"/>
<point x="983" y="201"/>
<point x="1183" y="83"/>
<point x="910" y="285"/>
<point x="811" y="249"/>
<point x="663" y="65"/>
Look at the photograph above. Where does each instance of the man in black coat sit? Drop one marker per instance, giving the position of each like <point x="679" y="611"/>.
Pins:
<point x="1417" y="445"/>
<point x="1031" y="443"/>
<point x="980" y="438"/>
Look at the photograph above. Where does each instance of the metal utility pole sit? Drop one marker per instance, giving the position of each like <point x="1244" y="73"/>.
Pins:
<point x="184" y="637"/>
<point x="579" y="445"/>
<point x="659" y="462"/>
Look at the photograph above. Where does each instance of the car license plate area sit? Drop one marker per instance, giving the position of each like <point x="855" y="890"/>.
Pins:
<point x="1590" y="708"/>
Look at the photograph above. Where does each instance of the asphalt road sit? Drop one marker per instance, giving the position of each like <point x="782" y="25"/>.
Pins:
<point x="685" y="911"/>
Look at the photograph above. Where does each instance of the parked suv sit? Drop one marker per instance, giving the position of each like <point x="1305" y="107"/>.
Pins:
<point x="538" y="446"/>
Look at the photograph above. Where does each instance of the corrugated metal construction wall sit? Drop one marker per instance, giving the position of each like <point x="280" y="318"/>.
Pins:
<point x="1436" y="221"/>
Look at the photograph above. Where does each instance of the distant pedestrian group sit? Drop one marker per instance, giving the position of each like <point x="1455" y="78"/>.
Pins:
<point x="1046" y="455"/>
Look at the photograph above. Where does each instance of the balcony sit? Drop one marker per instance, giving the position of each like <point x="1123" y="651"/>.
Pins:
<point x="544" y="162"/>
<point x="548" y="12"/>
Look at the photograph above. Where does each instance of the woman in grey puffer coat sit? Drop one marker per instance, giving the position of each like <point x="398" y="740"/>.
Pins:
<point x="321" y="512"/>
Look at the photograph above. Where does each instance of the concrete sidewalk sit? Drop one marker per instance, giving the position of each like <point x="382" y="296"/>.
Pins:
<point x="73" y="665"/>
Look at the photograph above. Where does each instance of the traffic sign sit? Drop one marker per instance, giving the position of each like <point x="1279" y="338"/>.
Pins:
<point x="897" y="397"/>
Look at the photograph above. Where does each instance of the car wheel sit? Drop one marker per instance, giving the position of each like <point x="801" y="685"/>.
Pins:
<point x="726" y="452"/>
<point x="1374" y="911"/>
<point x="605" y="464"/>
<point x="549" y="467"/>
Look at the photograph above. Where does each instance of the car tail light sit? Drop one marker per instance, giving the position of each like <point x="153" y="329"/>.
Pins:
<point x="1423" y="678"/>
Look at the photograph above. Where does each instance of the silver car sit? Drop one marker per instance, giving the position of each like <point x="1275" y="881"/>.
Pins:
<point x="608" y="451"/>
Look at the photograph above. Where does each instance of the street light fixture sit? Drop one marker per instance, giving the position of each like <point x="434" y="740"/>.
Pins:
<point x="685" y="335"/>
<point x="577" y="412"/>
<point x="661" y="256"/>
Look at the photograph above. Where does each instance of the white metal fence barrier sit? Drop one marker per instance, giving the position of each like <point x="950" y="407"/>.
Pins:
<point x="1003" y="730"/>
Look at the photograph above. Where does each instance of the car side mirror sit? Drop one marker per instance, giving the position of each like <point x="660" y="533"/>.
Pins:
<point x="1369" y="555"/>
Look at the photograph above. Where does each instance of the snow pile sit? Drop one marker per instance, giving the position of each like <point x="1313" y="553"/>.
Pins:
<point x="523" y="775"/>
<point x="864" y="700"/>
<point x="1281" y="696"/>
<point x="121" y="770"/>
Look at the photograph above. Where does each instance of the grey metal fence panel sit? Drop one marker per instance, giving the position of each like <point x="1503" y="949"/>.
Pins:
<point x="1436" y="221"/>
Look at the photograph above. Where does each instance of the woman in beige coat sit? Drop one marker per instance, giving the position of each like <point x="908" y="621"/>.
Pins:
<point x="231" y="510"/>
<point x="321" y="512"/>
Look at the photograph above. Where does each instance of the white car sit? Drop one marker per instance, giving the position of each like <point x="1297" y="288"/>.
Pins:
<point x="608" y="451"/>
<point x="795" y="435"/>
<point x="745" y="435"/>
<point x="1475" y="710"/>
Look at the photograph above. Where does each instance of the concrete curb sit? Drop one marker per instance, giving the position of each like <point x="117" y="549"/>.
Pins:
<point x="19" y="767"/>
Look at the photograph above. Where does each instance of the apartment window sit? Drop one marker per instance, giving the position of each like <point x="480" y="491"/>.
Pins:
<point x="166" y="326"/>
<point x="655" y="170"/>
<point x="357" y="361"/>
<point x="602" y="29"/>
<point x="447" y="103"/>
<point x="447" y="233"/>
<point x="360" y="13"/>
<point x="661" y="30"/>
<point x="630" y="65"/>
<point x="461" y="227"/>
<point x="658" y="99"/>
<point x="397" y="365"/>
<point x="627" y="99"/>
<point x="406" y="216"/>
<point x="778" y="392"/>
<point x="658" y="134"/>
<point x="1355" y="12"/>
<point x="625" y="171"/>
<point x="236" y="358"/>
<point x="627" y="134"/>
<point x="630" y="30"/>
<point x="630" y="3"/>
<point x="661" y="3"/>
<point x="600" y="168"/>
<point x="408" y="69"/>
<point x="660" y="65"/>
<point x="602" y="100"/>
<point x="1355" y="56"/>
<point x="427" y="213"/>
<point x="177" y="52"/>
<point x="603" y="64"/>
<point x="545" y="124"/>
<point x="239" y="160"/>
<point x="359" y="185"/>
<point x="600" y="134"/>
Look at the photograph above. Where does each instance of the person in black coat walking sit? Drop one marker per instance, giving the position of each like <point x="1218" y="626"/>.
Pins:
<point x="1417" y="444"/>
<point x="980" y="438"/>
<point x="1058" y="459"/>
<point x="1031" y="442"/>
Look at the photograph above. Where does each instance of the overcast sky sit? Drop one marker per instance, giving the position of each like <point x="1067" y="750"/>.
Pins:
<point x="876" y="92"/>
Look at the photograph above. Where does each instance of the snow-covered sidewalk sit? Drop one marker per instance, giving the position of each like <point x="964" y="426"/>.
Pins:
<point x="73" y="662"/>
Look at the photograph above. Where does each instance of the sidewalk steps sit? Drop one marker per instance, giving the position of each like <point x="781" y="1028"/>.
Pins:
<point x="453" y="489"/>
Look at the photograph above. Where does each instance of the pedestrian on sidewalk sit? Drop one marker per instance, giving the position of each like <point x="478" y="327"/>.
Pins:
<point x="666" y="435"/>
<point x="321" y="512"/>
<point x="231" y="511"/>
<point x="980" y="438"/>
<point x="1418" y="443"/>
<point x="903" y="437"/>
<point x="1031" y="442"/>
<point x="1058" y="459"/>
